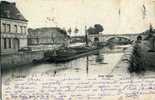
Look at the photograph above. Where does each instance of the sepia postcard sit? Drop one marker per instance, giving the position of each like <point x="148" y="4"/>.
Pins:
<point x="77" y="49"/>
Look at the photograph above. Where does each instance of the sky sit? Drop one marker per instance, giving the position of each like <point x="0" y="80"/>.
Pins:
<point x="116" y="16"/>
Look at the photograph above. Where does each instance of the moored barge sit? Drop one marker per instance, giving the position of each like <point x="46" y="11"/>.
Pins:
<point x="68" y="54"/>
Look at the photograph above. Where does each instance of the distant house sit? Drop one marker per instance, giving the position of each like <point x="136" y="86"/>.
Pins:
<point x="78" y="39"/>
<point x="13" y="28"/>
<point x="47" y="36"/>
<point x="95" y="38"/>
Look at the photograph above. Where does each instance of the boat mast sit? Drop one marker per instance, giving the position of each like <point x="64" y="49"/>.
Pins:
<point x="86" y="36"/>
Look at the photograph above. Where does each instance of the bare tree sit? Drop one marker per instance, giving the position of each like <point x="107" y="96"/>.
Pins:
<point x="69" y="30"/>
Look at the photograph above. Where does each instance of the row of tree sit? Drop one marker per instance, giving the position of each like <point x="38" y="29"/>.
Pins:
<point x="97" y="28"/>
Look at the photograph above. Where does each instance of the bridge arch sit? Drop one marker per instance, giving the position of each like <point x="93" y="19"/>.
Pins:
<point x="120" y="40"/>
<point x="131" y="37"/>
<point x="118" y="37"/>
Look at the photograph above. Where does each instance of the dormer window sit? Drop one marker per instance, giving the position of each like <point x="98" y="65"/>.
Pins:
<point x="7" y="12"/>
<point x="19" y="15"/>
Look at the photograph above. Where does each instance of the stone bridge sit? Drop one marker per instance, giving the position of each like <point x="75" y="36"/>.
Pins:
<point x="106" y="37"/>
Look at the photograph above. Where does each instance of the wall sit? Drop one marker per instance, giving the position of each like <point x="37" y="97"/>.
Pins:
<point x="19" y="59"/>
<point x="23" y="42"/>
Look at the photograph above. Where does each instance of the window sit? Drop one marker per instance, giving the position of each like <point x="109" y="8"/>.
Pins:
<point x="24" y="29"/>
<point x="9" y="42"/>
<point x="21" y="29"/>
<point x="8" y="28"/>
<point x="15" y="26"/>
<point x="4" y="27"/>
<point x="5" y="45"/>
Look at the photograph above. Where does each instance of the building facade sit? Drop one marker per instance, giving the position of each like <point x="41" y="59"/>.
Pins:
<point x="95" y="37"/>
<point x="13" y="28"/>
<point x="47" y="36"/>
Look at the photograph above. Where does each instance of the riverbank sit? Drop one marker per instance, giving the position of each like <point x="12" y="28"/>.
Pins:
<point x="148" y="58"/>
<point x="142" y="60"/>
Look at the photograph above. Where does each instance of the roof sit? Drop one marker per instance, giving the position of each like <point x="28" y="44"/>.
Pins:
<point x="9" y="10"/>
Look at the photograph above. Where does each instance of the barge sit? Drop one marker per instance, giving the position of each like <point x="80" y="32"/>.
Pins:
<point x="68" y="54"/>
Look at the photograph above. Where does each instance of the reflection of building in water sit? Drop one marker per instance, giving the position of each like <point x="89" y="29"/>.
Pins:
<point x="13" y="28"/>
<point x="99" y="57"/>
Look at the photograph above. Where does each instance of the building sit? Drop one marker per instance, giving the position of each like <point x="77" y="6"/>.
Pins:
<point x="13" y="28"/>
<point x="47" y="36"/>
<point x="78" y="39"/>
<point x="95" y="37"/>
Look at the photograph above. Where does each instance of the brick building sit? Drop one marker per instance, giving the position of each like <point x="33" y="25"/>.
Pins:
<point x="47" y="36"/>
<point x="13" y="28"/>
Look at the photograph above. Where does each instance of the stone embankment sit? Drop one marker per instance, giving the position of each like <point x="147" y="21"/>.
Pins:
<point x="126" y="59"/>
<point x="138" y="59"/>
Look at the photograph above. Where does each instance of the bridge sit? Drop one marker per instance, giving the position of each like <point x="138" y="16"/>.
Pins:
<point x="106" y="37"/>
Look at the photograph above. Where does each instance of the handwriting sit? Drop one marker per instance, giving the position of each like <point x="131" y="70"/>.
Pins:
<point x="45" y="87"/>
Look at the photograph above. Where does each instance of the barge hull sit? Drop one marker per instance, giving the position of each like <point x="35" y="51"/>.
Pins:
<point x="65" y="59"/>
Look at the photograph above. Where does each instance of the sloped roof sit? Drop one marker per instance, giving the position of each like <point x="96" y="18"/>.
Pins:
<point x="10" y="11"/>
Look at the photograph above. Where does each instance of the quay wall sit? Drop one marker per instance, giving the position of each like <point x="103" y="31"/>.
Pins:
<point x="19" y="59"/>
<point x="127" y="59"/>
<point x="138" y="59"/>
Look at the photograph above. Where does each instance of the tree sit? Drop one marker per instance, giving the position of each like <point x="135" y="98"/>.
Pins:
<point x="62" y="31"/>
<point x="96" y="29"/>
<point x="76" y="30"/>
<point x="91" y="30"/>
<point x="69" y="30"/>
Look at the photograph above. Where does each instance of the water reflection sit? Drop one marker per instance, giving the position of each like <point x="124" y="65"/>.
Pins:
<point x="87" y="64"/>
<point x="99" y="57"/>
